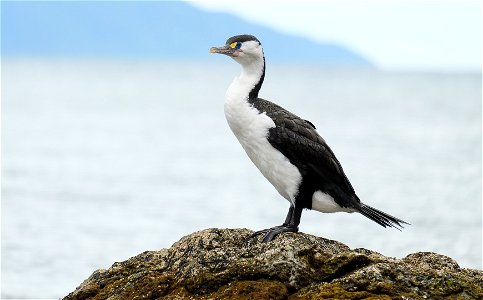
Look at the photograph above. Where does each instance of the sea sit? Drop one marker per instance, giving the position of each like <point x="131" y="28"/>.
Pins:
<point x="105" y="159"/>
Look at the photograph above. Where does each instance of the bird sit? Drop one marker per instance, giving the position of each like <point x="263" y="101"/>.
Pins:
<point x="287" y="149"/>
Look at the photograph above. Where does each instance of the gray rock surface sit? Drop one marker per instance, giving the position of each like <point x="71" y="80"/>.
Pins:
<point x="219" y="264"/>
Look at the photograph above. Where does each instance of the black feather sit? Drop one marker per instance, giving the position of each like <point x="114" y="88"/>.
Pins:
<point x="381" y="217"/>
<point x="242" y="38"/>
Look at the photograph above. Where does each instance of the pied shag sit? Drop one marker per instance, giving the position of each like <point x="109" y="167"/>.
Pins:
<point x="286" y="149"/>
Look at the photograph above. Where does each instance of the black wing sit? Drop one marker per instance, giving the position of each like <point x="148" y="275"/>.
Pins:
<point x="298" y="140"/>
<point x="303" y="146"/>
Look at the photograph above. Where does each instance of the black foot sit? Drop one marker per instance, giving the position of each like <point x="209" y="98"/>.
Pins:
<point x="271" y="233"/>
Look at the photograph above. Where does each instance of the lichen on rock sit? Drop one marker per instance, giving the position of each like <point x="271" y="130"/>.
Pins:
<point x="219" y="264"/>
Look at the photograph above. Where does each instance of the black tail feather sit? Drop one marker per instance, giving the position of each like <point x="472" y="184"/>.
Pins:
<point x="381" y="218"/>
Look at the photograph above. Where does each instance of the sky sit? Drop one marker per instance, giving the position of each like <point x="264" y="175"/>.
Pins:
<point x="395" y="34"/>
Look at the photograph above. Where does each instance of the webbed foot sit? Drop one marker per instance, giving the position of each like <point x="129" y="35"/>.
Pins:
<point x="271" y="233"/>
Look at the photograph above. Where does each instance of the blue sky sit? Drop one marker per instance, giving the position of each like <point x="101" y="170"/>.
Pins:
<point x="392" y="34"/>
<point x="428" y="35"/>
<point x="146" y="30"/>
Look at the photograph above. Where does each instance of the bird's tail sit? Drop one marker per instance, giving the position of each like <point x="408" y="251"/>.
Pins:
<point x="381" y="218"/>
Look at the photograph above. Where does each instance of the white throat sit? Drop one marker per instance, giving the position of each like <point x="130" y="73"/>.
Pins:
<point x="242" y="85"/>
<point x="251" y="127"/>
<point x="238" y="111"/>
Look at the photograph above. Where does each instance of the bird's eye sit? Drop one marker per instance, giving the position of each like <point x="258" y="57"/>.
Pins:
<point x="235" y="45"/>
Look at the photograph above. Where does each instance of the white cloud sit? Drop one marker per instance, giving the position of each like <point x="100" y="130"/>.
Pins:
<point x="394" y="34"/>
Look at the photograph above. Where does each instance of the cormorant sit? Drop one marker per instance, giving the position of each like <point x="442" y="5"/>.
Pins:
<point x="287" y="149"/>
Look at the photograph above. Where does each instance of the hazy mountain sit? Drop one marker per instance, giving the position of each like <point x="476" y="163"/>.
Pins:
<point x="145" y="30"/>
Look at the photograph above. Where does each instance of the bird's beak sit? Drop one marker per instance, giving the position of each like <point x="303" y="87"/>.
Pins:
<point x="227" y="50"/>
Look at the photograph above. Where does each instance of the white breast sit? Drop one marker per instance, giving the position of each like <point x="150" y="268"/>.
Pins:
<point x="251" y="129"/>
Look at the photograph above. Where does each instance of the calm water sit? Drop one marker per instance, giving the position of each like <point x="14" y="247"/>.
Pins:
<point x="104" y="160"/>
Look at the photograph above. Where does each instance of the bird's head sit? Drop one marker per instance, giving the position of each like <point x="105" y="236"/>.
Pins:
<point x="245" y="49"/>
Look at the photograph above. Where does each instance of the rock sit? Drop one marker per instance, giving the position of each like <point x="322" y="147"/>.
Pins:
<point x="218" y="264"/>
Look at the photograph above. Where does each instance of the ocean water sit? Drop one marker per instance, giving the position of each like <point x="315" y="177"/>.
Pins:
<point x="102" y="160"/>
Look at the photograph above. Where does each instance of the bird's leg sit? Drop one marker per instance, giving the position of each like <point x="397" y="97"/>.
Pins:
<point x="287" y="221"/>
<point x="289" y="215"/>
<point x="285" y="224"/>
<point x="291" y="224"/>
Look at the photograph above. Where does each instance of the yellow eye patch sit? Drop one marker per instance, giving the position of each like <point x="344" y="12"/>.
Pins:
<point x="235" y="45"/>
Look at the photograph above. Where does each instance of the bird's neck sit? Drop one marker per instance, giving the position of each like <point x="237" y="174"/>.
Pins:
<point x="243" y="118"/>
<point x="258" y="73"/>
<point x="246" y="86"/>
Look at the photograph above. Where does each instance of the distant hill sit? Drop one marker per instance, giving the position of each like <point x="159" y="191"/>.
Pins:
<point x="145" y="30"/>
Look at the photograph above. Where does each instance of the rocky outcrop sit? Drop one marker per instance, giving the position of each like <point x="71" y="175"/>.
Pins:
<point x="219" y="264"/>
